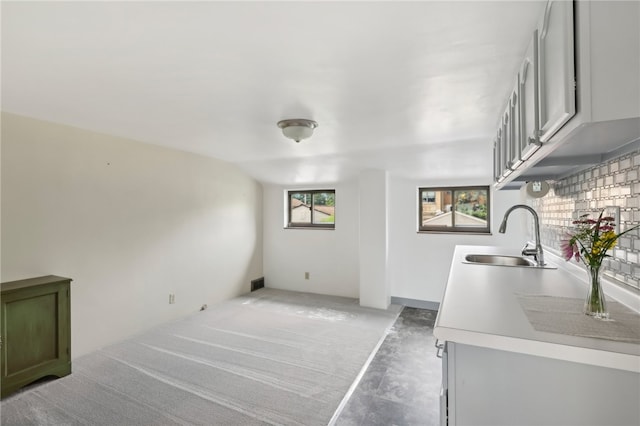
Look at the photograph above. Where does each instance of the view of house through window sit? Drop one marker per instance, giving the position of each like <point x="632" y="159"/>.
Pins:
<point x="454" y="209"/>
<point x="312" y="208"/>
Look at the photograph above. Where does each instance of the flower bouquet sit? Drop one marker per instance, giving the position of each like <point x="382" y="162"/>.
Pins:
<point x="589" y="243"/>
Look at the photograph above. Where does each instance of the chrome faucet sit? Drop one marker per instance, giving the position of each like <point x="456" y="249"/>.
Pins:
<point x="537" y="252"/>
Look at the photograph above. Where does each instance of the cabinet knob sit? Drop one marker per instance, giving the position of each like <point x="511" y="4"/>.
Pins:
<point x="535" y="141"/>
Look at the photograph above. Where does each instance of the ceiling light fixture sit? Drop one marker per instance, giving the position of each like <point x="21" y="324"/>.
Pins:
<point x="297" y="128"/>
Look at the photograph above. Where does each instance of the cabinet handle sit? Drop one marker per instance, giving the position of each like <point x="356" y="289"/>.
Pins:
<point x="440" y="348"/>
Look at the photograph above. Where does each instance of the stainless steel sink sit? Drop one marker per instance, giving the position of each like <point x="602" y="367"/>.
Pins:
<point x="499" y="260"/>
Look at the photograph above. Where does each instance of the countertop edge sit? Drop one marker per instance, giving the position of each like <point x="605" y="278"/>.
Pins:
<point x="615" y="360"/>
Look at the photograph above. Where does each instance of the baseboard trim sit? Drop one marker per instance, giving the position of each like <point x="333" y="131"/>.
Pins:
<point x="413" y="303"/>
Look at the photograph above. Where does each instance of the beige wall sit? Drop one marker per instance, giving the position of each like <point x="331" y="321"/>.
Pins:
<point x="129" y="222"/>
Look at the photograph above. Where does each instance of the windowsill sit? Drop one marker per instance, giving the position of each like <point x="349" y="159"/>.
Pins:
<point x="454" y="232"/>
<point x="315" y="228"/>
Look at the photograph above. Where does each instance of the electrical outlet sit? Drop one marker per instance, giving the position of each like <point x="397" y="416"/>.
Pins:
<point x="306" y="275"/>
<point x="172" y="298"/>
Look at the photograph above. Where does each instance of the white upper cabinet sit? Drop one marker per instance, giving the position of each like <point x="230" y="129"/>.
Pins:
<point x="608" y="60"/>
<point x="556" y="67"/>
<point x="500" y="168"/>
<point x="528" y="80"/>
<point x="578" y="90"/>
<point x="496" y="160"/>
<point x="516" y="126"/>
<point x="506" y="143"/>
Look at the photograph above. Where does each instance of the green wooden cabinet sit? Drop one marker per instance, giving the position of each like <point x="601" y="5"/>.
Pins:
<point x="35" y="331"/>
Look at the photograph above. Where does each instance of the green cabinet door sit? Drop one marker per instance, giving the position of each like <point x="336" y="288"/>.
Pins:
<point x="35" y="330"/>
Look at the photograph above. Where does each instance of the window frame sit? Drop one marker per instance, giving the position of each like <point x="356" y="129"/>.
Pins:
<point x="485" y="230"/>
<point x="310" y="225"/>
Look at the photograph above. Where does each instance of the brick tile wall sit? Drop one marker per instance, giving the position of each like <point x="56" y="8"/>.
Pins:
<point x="615" y="183"/>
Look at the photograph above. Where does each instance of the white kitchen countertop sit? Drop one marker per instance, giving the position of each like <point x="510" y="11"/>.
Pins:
<point x="480" y="307"/>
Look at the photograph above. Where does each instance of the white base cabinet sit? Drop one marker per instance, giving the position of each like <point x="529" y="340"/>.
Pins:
<point x="484" y="386"/>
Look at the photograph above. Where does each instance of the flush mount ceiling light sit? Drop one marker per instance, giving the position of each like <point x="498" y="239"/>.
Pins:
<point x="297" y="128"/>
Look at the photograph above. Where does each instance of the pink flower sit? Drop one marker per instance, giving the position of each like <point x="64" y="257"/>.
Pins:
<point x="591" y="239"/>
<point x="569" y="248"/>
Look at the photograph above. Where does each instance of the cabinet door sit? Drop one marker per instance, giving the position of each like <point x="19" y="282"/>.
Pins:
<point x="528" y="80"/>
<point x="505" y="146"/>
<point x="444" y="389"/>
<point x="556" y="68"/>
<point x="35" y="334"/>
<point x="496" y="160"/>
<point x="515" y="127"/>
<point x="498" y="154"/>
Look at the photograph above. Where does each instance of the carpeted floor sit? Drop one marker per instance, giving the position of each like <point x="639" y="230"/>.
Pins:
<point x="269" y="357"/>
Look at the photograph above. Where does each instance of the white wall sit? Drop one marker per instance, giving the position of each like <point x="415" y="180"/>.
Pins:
<point x="419" y="263"/>
<point x="374" y="239"/>
<point x="330" y="256"/>
<point x="128" y="222"/>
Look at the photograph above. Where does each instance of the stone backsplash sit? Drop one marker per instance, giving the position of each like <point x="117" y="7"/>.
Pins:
<point x="614" y="183"/>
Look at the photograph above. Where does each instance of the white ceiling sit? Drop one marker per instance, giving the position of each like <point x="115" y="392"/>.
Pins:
<point x="415" y="88"/>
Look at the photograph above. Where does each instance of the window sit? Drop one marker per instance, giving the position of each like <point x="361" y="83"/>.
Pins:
<point x="429" y="197"/>
<point x="311" y="209"/>
<point x="454" y="209"/>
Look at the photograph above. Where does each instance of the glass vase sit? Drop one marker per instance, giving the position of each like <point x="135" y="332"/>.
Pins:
<point x="595" y="305"/>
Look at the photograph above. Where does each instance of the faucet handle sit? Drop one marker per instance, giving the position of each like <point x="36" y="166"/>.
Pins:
<point x="526" y="251"/>
<point x="536" y="252"/>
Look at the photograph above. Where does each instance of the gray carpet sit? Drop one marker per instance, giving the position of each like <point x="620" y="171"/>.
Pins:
<point x="270" y="357"/>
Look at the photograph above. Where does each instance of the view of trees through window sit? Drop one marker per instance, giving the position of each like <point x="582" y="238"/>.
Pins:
<point x="312" y="208"/>
<point x="454" y="209"/>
